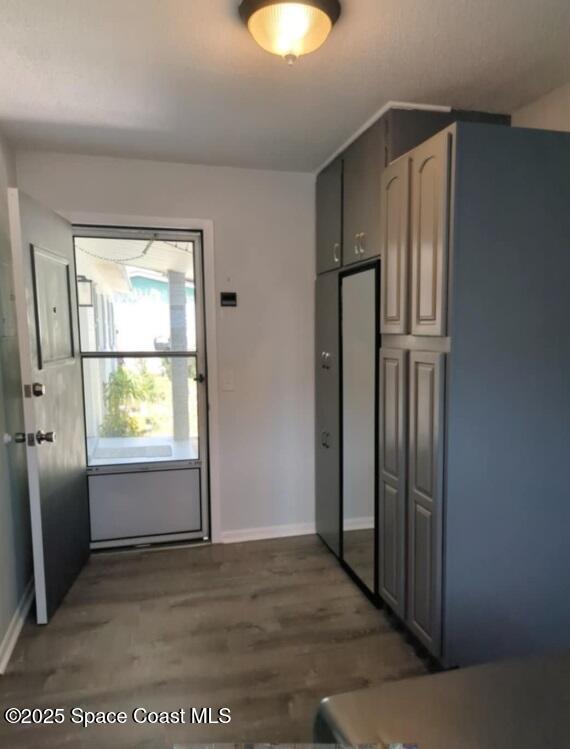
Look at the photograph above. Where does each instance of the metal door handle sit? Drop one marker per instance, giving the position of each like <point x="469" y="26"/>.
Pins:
<point x="200" y="378"/>
<point x="336" y="251"/>
<point x="361" y="243"/>
<point x="325" y="439"/>
<point x="42" y="436"/>
<point x="357" y="244"/>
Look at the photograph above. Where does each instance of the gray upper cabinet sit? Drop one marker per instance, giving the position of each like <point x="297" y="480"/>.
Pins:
<point x="329" y="217"/>
<point x="392" y="484"/>
<point x="327" y="411"/>
<point x="425" y="497"/>
<point x="363" y="165"/>
<point x="430" y="211"/>
<point x="395" y="247"/>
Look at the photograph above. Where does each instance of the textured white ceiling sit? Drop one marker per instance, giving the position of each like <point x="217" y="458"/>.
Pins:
<point x="181" y="80"/>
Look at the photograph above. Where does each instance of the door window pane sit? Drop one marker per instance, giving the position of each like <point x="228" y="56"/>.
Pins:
<point x="142" y="294"/>
<point x="140" y="409"/>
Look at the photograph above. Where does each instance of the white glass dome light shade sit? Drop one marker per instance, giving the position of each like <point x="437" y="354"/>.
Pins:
<point x="290" y="29"/>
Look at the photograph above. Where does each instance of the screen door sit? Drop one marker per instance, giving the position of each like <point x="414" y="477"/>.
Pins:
<point x="142" y="340"/>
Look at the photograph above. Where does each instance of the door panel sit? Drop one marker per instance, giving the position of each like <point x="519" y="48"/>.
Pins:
<point x="154" y="503"/>
<point x="421" y="543"/>
<point x="395" y="204"/>
<point x="47" y="324"/>
<point x="392" y="445"/>
<point x="329" y="217"/>
<point x="363" y="166"/>
<point x="430" y="200"/>
<point x="327" y="444"/>
<point x="52" y="297"/>
<point x="425" y="497"/>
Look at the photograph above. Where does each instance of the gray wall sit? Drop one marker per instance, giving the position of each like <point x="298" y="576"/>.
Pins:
<point x="508" y="429"/>
<point x="15" y="547"/>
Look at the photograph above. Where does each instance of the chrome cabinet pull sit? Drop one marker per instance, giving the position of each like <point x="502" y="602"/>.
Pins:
<point x="357" y="244"/>
<point x="325" y="439"/>
<point x="336" y="252"/>
<point x="361" y="243"/>
<point x="325" y="360"/>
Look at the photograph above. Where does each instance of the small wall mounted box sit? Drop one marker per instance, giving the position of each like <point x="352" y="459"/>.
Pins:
<point x="228" y="299"/>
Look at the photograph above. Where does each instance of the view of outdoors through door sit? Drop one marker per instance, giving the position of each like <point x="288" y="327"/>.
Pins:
<point x="138" y="330"/>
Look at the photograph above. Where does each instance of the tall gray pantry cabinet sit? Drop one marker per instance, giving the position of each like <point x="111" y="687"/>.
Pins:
<point x="349" y="235"/>
<point x="474" y="431"/>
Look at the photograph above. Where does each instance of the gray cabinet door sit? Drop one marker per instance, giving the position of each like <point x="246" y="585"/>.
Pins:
<point x="392" y="478"/>
<point x="363" y="166"/>
<point x="327" y="411"/>
<point x="430" y="200"/>
<point x="394" y="211"/>
<point x="329" y="217"/>
<point x="425" y="497"/>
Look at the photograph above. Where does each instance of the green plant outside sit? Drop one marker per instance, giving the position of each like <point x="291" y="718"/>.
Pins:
<point x="124" y="394"/>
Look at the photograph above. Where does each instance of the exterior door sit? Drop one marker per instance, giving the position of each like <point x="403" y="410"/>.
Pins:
<point x="392" y="484"/>
<point x="430" y="199"/>
<point x="425" y="498"/>
<point x="363" y="166"/>
<point x="329" y="217"/>
<point x="46" y="306"/>
<point x="327" y="442"/>
<point x="142" y="337"/>
<point x="395" y="205"/>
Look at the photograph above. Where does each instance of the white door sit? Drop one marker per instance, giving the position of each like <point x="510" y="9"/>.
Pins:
<point x="46" y="306"/>
<point x="142" y="339"/>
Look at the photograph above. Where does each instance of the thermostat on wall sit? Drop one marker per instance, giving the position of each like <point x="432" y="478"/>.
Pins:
<point x="228" y="299"/>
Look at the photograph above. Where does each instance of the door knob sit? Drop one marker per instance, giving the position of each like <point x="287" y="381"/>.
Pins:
<point x="18" y="438"/>
<point x="42" y="436"/>
<point x="200" y="378"/>
<point x="38" y="389"/>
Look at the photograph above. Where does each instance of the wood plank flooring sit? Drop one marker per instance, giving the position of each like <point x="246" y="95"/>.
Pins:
<point x="266" y="628"/>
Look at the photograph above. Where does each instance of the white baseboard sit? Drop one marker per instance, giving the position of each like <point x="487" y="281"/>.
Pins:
<point x="358" y="524"/>
<point x="15" y="627"/>
<point x="273" y="531"/>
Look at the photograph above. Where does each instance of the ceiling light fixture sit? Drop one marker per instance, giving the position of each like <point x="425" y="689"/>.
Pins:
<point x="290" y="29"/>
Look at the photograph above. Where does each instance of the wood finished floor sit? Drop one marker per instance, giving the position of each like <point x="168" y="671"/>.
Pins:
<point x="265" y="628"/>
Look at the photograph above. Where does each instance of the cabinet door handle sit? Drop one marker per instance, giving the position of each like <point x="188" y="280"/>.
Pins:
<point x="357" y="244"/>
<point x="325" y="360"/>
<point x="361" y="243"/>
<point x="336" y="252"/>
<point x="325" y="439"/>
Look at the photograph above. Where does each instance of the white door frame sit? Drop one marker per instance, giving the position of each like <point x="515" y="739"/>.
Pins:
<point x="206" y="226"/>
